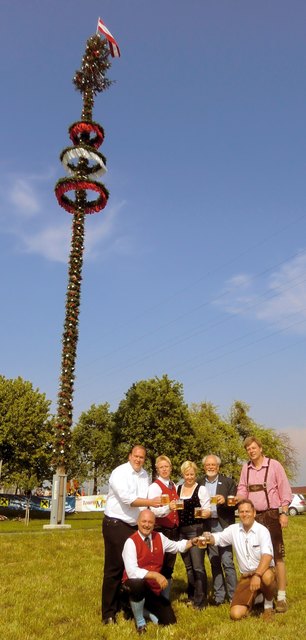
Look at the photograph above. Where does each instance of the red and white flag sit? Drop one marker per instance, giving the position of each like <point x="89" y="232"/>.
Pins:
<point x="114" y="49"/>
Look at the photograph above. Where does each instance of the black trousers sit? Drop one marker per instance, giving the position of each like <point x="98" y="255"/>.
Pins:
<point x="115" y="533"/>
<point x="169" y="558"/>
<point x="157" y="604"/>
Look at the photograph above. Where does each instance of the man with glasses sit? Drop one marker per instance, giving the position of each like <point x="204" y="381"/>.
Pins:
<point x="220" y="487"/>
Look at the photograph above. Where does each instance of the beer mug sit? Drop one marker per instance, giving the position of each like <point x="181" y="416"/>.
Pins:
<point x="202" y="543"/>
<point x="179" y="504"/>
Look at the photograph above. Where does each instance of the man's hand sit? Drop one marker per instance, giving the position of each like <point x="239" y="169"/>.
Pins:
<point x="154" y="502"/>
<point x="283" y="519"/>
<point x="159" y="578"/>
<point x="220" y="499"/>
<point x="255" y="583"/>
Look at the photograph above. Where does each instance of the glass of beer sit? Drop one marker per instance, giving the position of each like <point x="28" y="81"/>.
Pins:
<point x="231" y="501"/>
<point x="165" y="498"/>
<point x="179" y="504"/>
<point x="213" y="500"/>
<point x="197" y="512"/>
<point x="202" y="544"/>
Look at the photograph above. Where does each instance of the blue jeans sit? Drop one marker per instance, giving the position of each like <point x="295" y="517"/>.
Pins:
<point x="194" y="564"/>
<point x="222" y="567"/>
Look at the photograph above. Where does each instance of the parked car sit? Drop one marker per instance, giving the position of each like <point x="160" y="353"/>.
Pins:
<point x="298" y="504"/>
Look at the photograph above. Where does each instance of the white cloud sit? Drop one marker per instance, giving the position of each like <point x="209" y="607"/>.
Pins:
<point x="47" y="234"/>
<point x="279" y="298"/>
<point x="289" y="286"/>
<point x="240" y="281"/>
<point x="52" y="243"/>
<point x="23" y="196"/>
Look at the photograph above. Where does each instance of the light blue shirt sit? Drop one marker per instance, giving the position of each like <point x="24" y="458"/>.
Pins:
<point x="211" y="487"/>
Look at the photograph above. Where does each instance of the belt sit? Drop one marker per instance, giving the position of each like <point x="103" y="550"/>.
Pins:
<point x="116" y="520"/>
<point x="266" y="510"/>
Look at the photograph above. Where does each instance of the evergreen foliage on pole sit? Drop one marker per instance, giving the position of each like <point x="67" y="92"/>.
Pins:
<point x="84" y="165"/>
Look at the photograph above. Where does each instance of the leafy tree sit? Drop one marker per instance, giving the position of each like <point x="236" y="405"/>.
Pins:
<point x="91" y="444"/>
<point x="275" y="445"/>
<point x="240" y="419"/>
<point x="213" y="434"/>
<point x="25" y="433"/>
<point x="154" y="414"/>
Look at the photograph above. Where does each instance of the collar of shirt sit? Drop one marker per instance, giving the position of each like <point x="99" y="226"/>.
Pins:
<point x="144" y="537"/>
<point x="251" y="529"/>
<point x="211" y="482"/>
<point x="166" y="482"/>
<point x="136" y="473"/>
<point x="263" y="464"/>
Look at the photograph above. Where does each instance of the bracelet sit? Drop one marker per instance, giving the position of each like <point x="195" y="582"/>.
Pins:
<point x="283" y="513"/>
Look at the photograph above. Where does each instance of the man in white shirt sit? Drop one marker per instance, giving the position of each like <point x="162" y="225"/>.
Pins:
<point x="253" y="547"/>
<point x="128" y="488"/>
<point x="143" y="555"/>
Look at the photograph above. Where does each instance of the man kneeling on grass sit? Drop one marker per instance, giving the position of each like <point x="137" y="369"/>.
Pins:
<point x="143" y="555"/>
<point x="253" y="547"/>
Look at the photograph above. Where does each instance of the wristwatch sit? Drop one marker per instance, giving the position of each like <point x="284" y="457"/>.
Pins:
<point x="282" y="512"/>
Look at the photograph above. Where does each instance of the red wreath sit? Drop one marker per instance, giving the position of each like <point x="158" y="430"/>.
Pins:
<point x="93" y="206"/>
<point x="76" y="130"/>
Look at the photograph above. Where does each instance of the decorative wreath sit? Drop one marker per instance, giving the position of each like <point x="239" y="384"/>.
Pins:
<point x="94" y="170"/>
<point x="74" y="184"/>
<point x="76" y="130"/>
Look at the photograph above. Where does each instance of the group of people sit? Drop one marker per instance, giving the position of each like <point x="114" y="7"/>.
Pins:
<point x="145" y="525"/>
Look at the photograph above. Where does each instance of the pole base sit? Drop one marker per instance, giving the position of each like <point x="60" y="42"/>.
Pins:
<point x="57" y="526"/>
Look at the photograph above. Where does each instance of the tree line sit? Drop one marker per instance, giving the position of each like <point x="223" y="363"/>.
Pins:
<point x="153" y="413"/>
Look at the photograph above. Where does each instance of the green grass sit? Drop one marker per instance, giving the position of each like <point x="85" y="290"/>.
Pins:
<point x="50" y="588"/>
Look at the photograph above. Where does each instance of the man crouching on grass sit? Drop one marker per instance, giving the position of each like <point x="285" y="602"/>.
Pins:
<point x="254" y="552"/>
<point x="143" y="555"/>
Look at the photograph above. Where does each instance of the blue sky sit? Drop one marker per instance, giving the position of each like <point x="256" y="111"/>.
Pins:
<point x="197" y="267"/>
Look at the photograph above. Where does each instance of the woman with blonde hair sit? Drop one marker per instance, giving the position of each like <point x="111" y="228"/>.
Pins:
<point x="193" y="496"/>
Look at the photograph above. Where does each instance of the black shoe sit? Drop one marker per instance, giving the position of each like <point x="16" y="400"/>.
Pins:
<point x="110" y="620"/>
<point x="199" y="607"/>
<point x="141" y="630"/>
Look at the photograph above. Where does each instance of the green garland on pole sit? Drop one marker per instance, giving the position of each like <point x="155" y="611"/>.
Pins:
<point x="84" y="164"/>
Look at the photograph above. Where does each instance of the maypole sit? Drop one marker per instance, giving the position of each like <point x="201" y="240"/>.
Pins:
<point x="84" y="165"/>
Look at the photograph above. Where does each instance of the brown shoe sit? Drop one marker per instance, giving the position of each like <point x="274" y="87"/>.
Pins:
<point x="268" y="615"/>
<point x="281" y="606"/>
<point x="141" y="630"/>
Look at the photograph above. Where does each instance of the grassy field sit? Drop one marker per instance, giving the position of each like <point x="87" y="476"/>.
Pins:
<point x="50" y="588"/>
